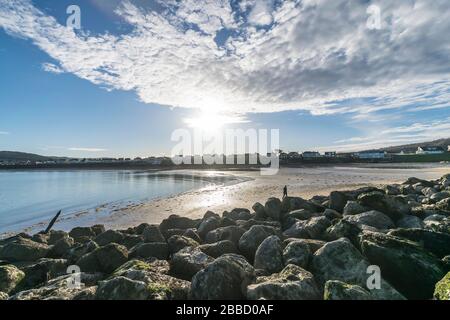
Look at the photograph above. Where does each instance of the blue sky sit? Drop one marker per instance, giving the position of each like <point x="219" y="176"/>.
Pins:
<point x="135" y="72"/>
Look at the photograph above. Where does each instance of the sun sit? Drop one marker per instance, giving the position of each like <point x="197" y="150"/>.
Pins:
<point x="211" y="122"/>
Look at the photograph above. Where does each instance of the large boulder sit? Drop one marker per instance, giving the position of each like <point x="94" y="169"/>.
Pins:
<point x="292" y="283"/>
<point x="217" y="249"/>
<point x="158" y="250"/>
<point x="104" y="259"/>
<point x="311" y="229"/>
<point x="260" y="211"/>
<point x="187" y="262"/>
<point x="208" y="225"/>
<point x="151" y="233"/>
<point x="442" y="289"/>
<point x="177" y="222"/>
<point x="409" y="222"/>
<point x="225" y="278"/>
<point x="312" y="244"/>
<point x="437" y="243"/>
<point x="338" y="290"/>
<point x="294" y="203"/>
<point x="231" y="233"/>
<point x="109" y="236"/>
<point x="297" y="253"/>
<point x="408" y="267"/>
<point x="23" y="250"/>
<point x="372" y="218"/>
<point x="121" y="288"/>
<point x="273" y="208"/>
<point x="394" y="206"/>
<point x="160" y="286"/>
<point x="238" y="214"/>
<point x="82" y="233"/>
<point x="338" y="200"/>
<point x="40" y="271"/>
<point x="176" y="243"/>
<point x="340" y="260"/>
<point x="269" y="255"/>
<point x="252" y="238"/>
<point x="10" y="277"/>
<point x="61" y="247"/>
<point x="58" y="288"/>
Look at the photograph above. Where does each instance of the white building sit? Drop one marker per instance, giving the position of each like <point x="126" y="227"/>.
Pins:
<point x="430" y="150"/>
<point x="311" y="154"/>
<point x="330" y="154"/>
<point x="371" y="154"/>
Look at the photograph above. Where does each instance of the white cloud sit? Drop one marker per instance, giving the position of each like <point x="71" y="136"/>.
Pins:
<point x="87" y="149"/>
<point x="50" y="67"/>
<point x="4" y="132"/>
<point x="381" y="138"/>
<point x="314" y="53"/>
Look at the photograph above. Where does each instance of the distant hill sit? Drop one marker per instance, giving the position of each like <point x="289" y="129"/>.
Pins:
<point x="444" y="143"/>
<point x="21" y="156"/>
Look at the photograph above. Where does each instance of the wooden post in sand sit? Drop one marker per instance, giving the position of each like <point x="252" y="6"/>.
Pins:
<point x="50" y="225"/>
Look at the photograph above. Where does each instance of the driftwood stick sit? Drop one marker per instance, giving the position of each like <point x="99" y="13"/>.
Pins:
<point x="50" y="225"/>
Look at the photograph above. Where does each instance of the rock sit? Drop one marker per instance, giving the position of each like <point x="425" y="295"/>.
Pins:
<point x="82" y="232"/>
<point x="3" y="296"/>
<point x="252" y="222"/>
<point x="292" y="283"/>
<point x="252" y="238"/>
<point x="208" y="225"/>
<point x="23" y="250"/>
<point x="158" y="250"/>
<point x="410" y="222"/>
<point x="152" y="233"/>
<point x="187" y="262"/>
<point x="56" y="235"/>
<point x="177" y="222"/>
<point x="373" y="218"/>
<point x="225" y="278"/>
<point x="109" y="236"/>
<point x="343" y="229"/>
<point x="393" y="206"/>
<point x="160" y="286"/>
<point x="413" y="180"/>
<point x="273" y="208"/>
<point x="260" y="211"/>
<point x="313" y="228"/>
<point x="98" y="229"/>
<point x="338" y="290"/>
<point x="231" y="233"/>
<point x="61" y="247"/>
<point x="56" y="289"/>
<point x="446" y="262"/>
<point x="331" y="214"/>
<point x="437" y="243"/>
<point x="428" y="191"/>
<point x="435" y="217"/>
<point x="226" y="222"/>
<point x="39" y="272"/>
<point x="442" y="289"/>
<point x="77" y="251"/>
<point x="176" y="243"/>
<point x="269" y="255"/>
<point x="217" y="249"/>
<point x="391" y="190"/>
<point x="340" y="260"/>
<point x="10" y="277"/>
<point x="297" y="253"/>
<point x="444" y="204"/>
<point x="131" y="240"/>
<point x="312" y="244"/>
<point x="300" y="214"/>
<point x="104" y="259"/>
<point x="238" y="214"/>
<point x="408" y="267"/>
<point x="338" y="200"/>
<point x="40" y="237"/>
<point x="294" y="203"/>
<point x="353" y="207"/>
<point x="438" y="196"/>
<point x="121" y="288"/>
<point x="192" y="233"/>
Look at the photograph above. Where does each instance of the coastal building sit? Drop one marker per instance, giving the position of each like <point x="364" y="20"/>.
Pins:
<point x="430" y="150"/>
<point x="294" y="156"/>
<point x="310" y="154"/>
<point x="330" y="154"/>
<point x="370" y="154"/>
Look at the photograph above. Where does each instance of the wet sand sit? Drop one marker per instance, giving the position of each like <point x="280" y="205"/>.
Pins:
<point x="304" y="182"/>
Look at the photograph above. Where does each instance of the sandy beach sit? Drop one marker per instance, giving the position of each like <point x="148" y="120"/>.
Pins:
<point x="304" y="182"/>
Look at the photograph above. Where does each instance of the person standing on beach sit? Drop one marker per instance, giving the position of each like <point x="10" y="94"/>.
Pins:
<point x="285" y="192"/>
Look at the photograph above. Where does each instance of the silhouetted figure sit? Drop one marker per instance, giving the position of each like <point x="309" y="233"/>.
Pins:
<point x="285" y="192"/>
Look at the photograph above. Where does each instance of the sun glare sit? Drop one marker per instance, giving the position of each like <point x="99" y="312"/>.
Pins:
<point x="212" y="122"/>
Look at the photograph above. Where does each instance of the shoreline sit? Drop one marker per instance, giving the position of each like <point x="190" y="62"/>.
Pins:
<point x="243" y="189"/>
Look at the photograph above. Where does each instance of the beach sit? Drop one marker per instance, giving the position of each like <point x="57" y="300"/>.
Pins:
<point x="252" y="187"/>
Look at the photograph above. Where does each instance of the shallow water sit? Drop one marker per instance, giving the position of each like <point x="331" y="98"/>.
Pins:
<point x="30" y="197"/>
